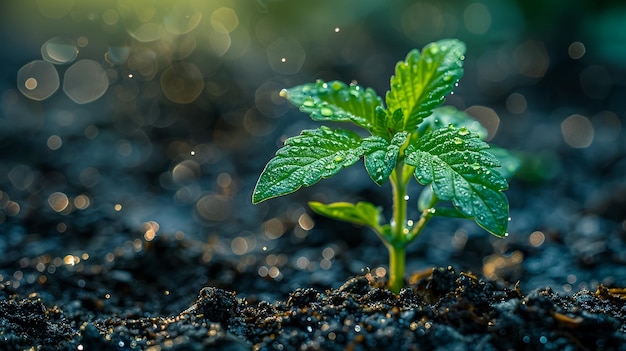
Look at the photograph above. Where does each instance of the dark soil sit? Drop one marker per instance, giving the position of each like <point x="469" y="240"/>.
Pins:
<point x="439" y="309"/>
<point x="126" y="223"/>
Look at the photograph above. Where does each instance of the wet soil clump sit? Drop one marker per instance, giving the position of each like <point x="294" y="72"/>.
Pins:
<point x="439" y="309"/>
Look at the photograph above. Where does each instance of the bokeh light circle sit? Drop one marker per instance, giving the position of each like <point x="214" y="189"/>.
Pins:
<point x="38" y="80"/>
<point x="577" y="131"/>
<point x="182" y="18"/>
<point x="85" y="81"/>
<point x="182" y="82"/>
<point x="59" y="50"/>
<point x="117" y="55"/>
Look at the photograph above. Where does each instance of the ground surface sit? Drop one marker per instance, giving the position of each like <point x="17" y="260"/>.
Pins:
<point x="126" y="223"/>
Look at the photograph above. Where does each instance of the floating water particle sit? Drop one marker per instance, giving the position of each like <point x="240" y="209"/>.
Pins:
<point x="131" y="76"/>
<point x="283" y="60"/>
<point x="337" y="29"/>
<point x="406" y="197"/>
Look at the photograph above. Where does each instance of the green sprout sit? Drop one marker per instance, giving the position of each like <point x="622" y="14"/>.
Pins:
<point x="412" y="137"/>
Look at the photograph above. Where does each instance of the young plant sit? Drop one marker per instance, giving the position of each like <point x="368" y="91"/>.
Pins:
<point x="410" y="136"/>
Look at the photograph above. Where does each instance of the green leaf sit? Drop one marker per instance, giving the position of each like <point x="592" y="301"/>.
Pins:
<point x="446" y="115"/>
<point x="422" y="80"/>
<point x="307" y="158"/>
<point x="361" y="213"/>
<point x="337" y="102"/>
<point x="455" y="162"/>
<point x="381" y="155"/>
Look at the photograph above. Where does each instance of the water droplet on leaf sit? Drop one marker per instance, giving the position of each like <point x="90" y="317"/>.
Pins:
<point x="464" y="131"/>
<point x="458" y="141"/>
<point x="326" y="112"/>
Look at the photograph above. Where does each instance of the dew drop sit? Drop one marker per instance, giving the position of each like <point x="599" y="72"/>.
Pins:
<point x="338" y="159"/>
<point x="406" y="197"/>
<point x="506" y="234"/>
<point x="475" y="166"/>
<point x="283" y="60"/>
<point x="326" y="112"/>
<point x="308" y="103"/>
<point x="463" y="131"/>
<point x="283" y="93"/>
<point x="447" y="78"/>
<point x="458" y="141"/>
<point x="434" y="49"/>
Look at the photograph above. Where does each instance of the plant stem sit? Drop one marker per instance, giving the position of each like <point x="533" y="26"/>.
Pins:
<point x="396" y="248"/>
<point x="400" y="234"/>
<point x="397" y="257"/>
<point x="398" y="187"/>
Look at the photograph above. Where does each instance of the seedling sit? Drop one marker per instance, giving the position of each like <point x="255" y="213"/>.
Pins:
<point x="410" y="136"/>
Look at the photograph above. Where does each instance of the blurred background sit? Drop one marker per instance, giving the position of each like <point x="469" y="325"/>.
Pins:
<point x="156" y="117"/>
